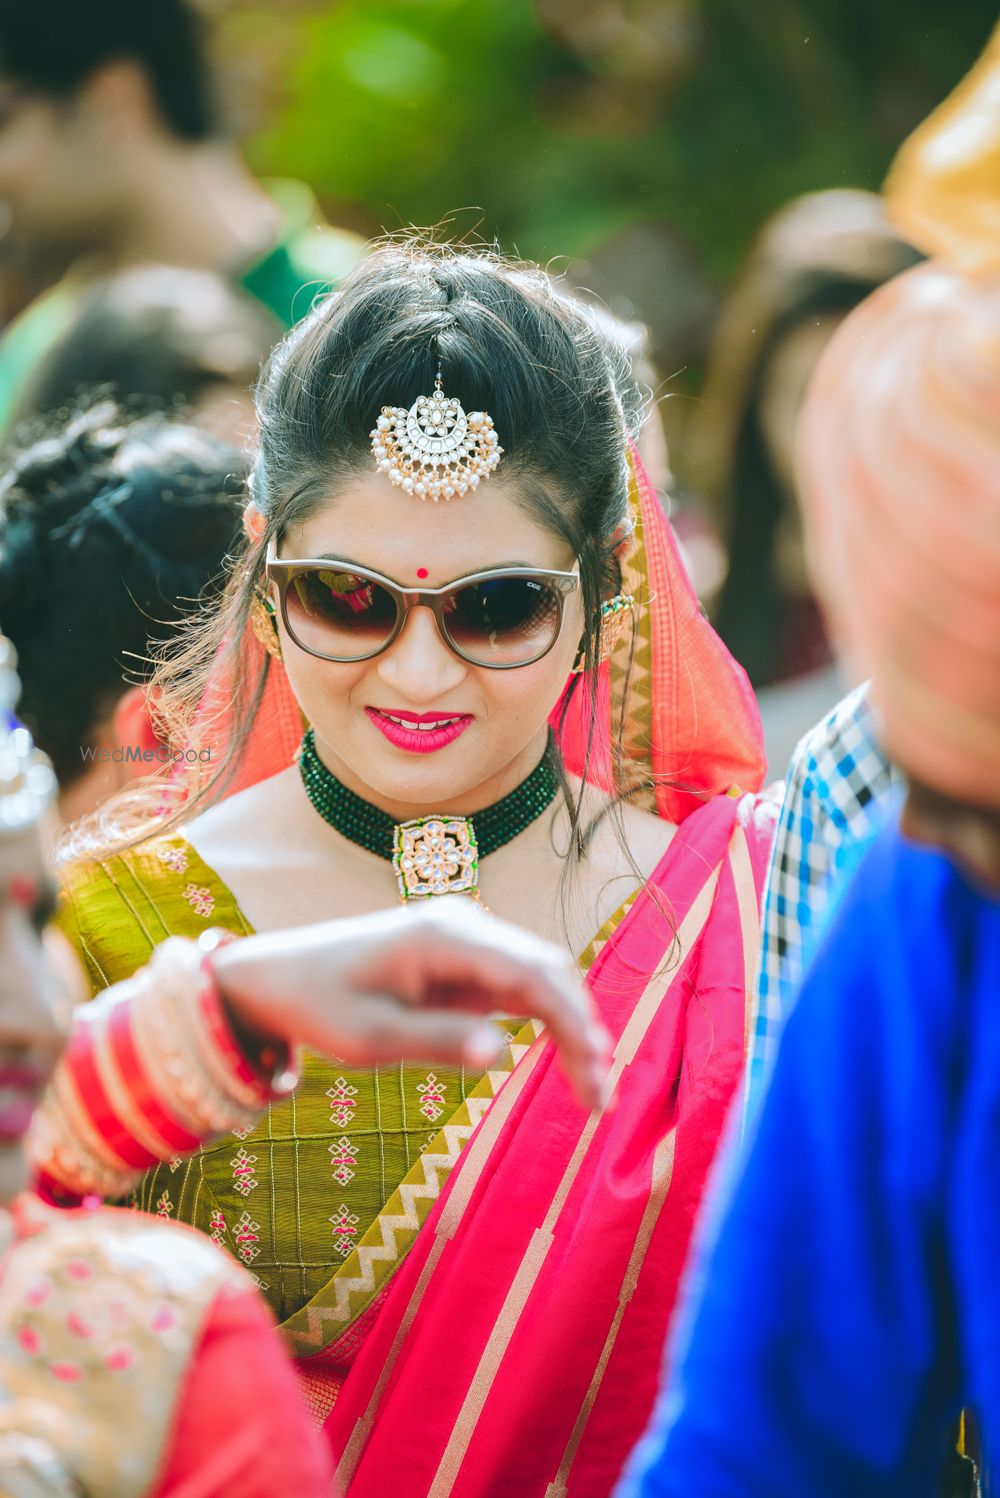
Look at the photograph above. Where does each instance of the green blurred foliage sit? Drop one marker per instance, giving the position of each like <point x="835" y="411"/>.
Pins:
<point x="702" y="114"/>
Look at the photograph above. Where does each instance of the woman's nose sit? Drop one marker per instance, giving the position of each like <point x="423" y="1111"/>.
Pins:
<point x="418" y="664"/>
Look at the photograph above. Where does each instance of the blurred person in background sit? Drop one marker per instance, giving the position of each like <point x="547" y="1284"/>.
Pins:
<point x="848" y="1302"/>
<point x="112" y="153"/>
<point x="156" y="337"/>
<point x="699" y="545"/>
<point x="111" y="528"/>
<point x="585" y="731"/>
<point x="813" y="262"/>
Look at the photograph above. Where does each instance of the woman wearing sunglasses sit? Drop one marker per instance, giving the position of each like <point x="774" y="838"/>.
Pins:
<point x="459" y="655"/>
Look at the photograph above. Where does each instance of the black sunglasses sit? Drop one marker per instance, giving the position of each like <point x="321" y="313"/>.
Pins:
<point x="501" y="618"/>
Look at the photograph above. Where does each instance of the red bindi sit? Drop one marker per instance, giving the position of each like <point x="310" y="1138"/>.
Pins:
<point x="422" y="572"/>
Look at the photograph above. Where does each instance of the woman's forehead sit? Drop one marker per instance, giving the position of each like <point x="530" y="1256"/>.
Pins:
<point x="378" y="525"/>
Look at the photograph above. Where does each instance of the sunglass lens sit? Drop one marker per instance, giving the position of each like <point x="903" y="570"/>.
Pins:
<point x="503" y="621"/>
<point x="339" y="614"/>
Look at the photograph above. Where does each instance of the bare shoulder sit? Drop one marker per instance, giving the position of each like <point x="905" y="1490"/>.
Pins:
<point x="648" y="837"/>
<point x="246" y="821"/>
<point x="625" y="838"/>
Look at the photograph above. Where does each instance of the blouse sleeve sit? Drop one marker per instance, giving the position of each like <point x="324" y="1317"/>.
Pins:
<point x="240" y="1425"/>
<point x="151" y="1071"/>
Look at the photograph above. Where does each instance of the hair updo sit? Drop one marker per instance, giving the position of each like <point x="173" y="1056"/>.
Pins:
<point x="506" y="341"/>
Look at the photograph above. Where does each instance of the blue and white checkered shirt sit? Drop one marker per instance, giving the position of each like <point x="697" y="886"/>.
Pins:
<point x="836" y="796"/>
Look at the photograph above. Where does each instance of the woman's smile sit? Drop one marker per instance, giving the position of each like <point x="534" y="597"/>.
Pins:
<point x="418" y="733"/>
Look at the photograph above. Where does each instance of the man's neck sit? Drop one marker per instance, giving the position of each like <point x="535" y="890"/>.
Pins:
<point x="970" y="834"/>
<point x="197" y="206"/>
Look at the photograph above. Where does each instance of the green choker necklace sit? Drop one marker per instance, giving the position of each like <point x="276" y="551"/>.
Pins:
<point x="435" y="855"/>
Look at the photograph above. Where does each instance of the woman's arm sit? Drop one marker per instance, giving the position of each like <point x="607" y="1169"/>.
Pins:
<point x="203" y="1037"/>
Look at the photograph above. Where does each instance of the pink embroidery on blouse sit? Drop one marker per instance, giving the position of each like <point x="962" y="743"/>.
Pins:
<point x="344" y="1158"/>
<point x="29" y="1340"/>
<point x="432" y="1092"/>
<point x="174" y="858"/>
<point x="345" y="1228"/>
<point x="247" y="1235"/>
<point x="342" y="1104"/>
<point x="244" y="1178"/>
<point x="163" y="1319"/>
<point x="201" y="900"/>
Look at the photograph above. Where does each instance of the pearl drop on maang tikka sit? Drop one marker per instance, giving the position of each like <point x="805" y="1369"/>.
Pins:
<point x="434" y="450"/>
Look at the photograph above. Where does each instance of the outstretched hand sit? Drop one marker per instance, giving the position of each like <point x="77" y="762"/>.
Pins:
<point x="416" y="983"/>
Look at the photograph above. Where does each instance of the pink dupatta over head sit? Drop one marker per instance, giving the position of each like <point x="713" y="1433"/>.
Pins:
<point x="518" y="1345"/>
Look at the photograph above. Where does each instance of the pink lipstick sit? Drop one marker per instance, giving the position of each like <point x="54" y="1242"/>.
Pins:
<point x="20" y="1091"/>
<point x="419" y="733"/>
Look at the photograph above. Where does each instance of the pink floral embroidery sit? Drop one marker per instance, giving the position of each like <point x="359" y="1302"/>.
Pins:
<point x="345" y="1157"/>
<point x="201" y="900"/>
<point x="174" y="858"/>
<point x="345" y="1229"/>
<point x="247" y="1236"/>
<point x="217" y="1223"/>
<point x="29" y="1340"/>
<point x="432" y="1092"/>
<point x="68" y="1373"/>
<point x="244" y="1178"/>
<point x="342" y="1104"/>
<point x="164" y="1206"/>
<point x="118" y="1360"/>
<point x="242" y="1133"/>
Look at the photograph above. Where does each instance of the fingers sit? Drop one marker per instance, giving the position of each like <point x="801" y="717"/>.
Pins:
<point x="490" y="965"/>
<point x="555" y="995"/>
<point x="374" y="1028"/>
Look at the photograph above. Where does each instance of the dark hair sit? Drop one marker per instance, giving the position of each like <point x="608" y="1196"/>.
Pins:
<point x="108" y="527"/>
<point x="155" y="335"/>
<point x="818" y="257"/>
<point x="504" y="339"/>
<point x="55" y="46"/>
<point x="507" y="340"/>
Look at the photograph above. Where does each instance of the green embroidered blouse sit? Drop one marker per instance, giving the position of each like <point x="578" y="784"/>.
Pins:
<point x="321" y="1200"/>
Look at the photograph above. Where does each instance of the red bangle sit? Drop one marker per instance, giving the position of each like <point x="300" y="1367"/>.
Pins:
<point x="273" y="1070"/>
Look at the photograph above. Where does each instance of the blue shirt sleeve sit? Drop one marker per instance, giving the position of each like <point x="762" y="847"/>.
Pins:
<point x="816" y="1356"/>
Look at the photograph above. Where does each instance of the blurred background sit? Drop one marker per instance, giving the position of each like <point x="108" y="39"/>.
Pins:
<point x="704" y="169"/>
<point x="639" y="143"/>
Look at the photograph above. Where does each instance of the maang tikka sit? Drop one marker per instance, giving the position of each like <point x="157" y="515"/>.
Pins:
<point x="434" y="450"/>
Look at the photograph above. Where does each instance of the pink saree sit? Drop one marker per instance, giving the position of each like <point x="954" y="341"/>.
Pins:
<point x="520" y="1345"/>
<point x="516" y="1348"/>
